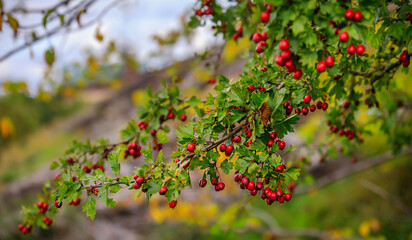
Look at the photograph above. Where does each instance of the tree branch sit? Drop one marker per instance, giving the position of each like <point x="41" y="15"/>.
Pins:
<point x="348" y="171"/>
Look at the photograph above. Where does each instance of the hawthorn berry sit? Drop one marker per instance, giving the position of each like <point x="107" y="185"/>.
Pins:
<point x="351" y="49"/>
<point x="406" y="63"/>
<point x="190" y="147"/>
<point x="286" y="54"/>
<point x="349" y="14"/>
<point x="183" y="117"/>
<point x="253" y="192"/>
<point x="251" y="186"/>
<point x="260" y="47"/>
<point x="270" y="143"/>
<point x="312" y="108"/>
<point x="140" y="179"/>
<point x="58" y="204"/>
<point x="69" y="160"/>
<point x="163" y="190"/>
<point x="279" y="168"/>
<point x="280" y="61"/>
<point x="237" y="178"/>
<point x="289" y="64"/>
<point x="172" y="204"/>
<point x="307" y="98"/>
<point x="346" y="105"/>
<point x="360" y="49"/>
<point x="297" y="111"/>
<point x="222" y="147"/>
<point x="214" y="181"/>
<point x="236" y="139"/>
<point x="264" y="69"/>
<point x="357" y="16"/>
<point x="286" y="104"/>
<point x="248" y="133"/>
<point x="404" y="56"/>
<point x="264" y="16"/>
<point x="281" y="145"/>
<point x="257" y="37"/>
<point x="152" y="132"/>
<point x="229" y="148"/>
<point x="329" y="61"/>
<point x="325" y="106"/>
<point x="273" y="135"/>
<point x="284" y="44"/>
<point x="305" y="110"/>
<point x="171" y="115"/>
<point x="319" y="104"/>
<point x="202" y="183"/>
<point x="245" y="181"/>
<point x="321" y="67"/>
<point x="343" y="36"/>
<point x="281" y="199"/>
<point x="264" y="36"/>
<point x="279" y="193"/>
<point x="297" y="74"/>
<point x="248" y="143"/>
<point x="221" y="186"/>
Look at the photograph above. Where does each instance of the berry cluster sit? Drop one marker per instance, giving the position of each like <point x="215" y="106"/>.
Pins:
<point x="284" y="59"/>
<point x="404" y="58"/>
<point x="238" y="34"/>
<point x="268" y="194"/>
<point x="207" y="9"/>
<point x="350" y="134"/>
<point x="24" y="229"/>
<point x="47" y="221"/>
<point x="351" y="15"/>
<point x="42" y="206"/>
<point x="265" y="15"/>
<point x="139" y="180"/>
<point x="281" y="144"/>
<point x="360" y="49"/>
<point x="75" y="202"/>
<point x="260" y="39"/>
<point x="329" y="61"/>
<point x="133" y="149"/>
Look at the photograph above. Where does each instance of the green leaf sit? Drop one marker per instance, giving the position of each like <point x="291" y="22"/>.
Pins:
<point x="226" y="166"/>
<point x="293" y="173"/>
<point x="49" y="56"/>
<point x="298" y="25"/>
<point x="159" y="157"/>
<point x="237" y="115"/>
<point x="54" y="165"/>
<point x="113" y="160"/>
<point x="46" y="16"/>
<point x="90" y="207"/>
<point x="161" y="136"/>
<point x="185" y="131"/>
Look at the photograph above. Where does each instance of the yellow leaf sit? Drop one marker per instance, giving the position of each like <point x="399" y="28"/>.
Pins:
<point x="364" y="229"/>
<point x="99" y="35"/>
<point x="14" y="24"/>
<point x="6" y="127"/>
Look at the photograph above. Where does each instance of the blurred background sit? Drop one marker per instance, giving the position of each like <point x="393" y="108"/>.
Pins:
<point x="97" y="81"/>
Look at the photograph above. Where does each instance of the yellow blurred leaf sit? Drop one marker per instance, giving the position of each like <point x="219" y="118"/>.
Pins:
<point x="14" y="24"/>
<point x="98" y="35"/>
<point x="6" y="127"/>
<point x="364" y="229"/>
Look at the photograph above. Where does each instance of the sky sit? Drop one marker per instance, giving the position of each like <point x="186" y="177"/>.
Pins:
<point x="131" y="23"/>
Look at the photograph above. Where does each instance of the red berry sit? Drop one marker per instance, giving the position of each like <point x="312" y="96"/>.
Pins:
<point x="245" y="181"/>
<point x="351" y="49"/>
<point x="404" y="56"/>
<point x="270" y="143"/>
<point x="183" y="117"/>
<point x="281" y="145"/>
<point x="321" y="67"/>
<point x="69" y="160"/>
<point x="236" y="139"/>
<point x="260" y="47"/>
<point x="199" y="12"/>
<point x="248" y="143"/>
<point x="264" y="16"/>
<point x="259" y="186"/>
<point x="214" y="181"/>
<point x="281" y="199"/>
<point x="264" y="69"/>
<point x="307" y="98"/>
<point x="357" y="16"/>
<point x="237" y="178"/>
<point x="360" y="49"/>
<point x="280" y="61"/>
<point x="349" y="14"/>
<point x="221" y="186"/>
<point x="140" y="180"/>
<point x="319" y="104"/>
<point x="305" y="111"/>
<point x="132" y="151"/>
<point x="273" y="135"/>
<point x="289" y="64"/>
<point x="297" y="74"/>
<point x="248" y="133"/>
<point x="279" y="193"/>
<point x="286" y="104"/>
<point x="284" y="44"/>
<point x="279" y="168"/>
<point x="297" y="111"/>
<point x="343" y="36"/>
<point x="229" y="148"/>
<point x="288" y="196"/>
<point x="264" y="36"/>
<point x="163" y="190"/>
<point x="190" y="147"/>
<point x="222" y="147"/>
<point x="250" y="88"/>
<point x="253" y="192"/>
<point x="329" y="61"/>
<point x="346" y="105"/>
<point x="286" y="54"/>
<point x="57" y="204"/>
<point x="312" y="107"/>
<point x="137" y="185"/>
<point x="171" y="115"/>
<point x="325" y="106"/>
<point x="251" y="186"/>
<point x="406" y="63"/>
<point x="152" y="132"/>
<point x="257" y="37"/>
<point x="172" y="204"/>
